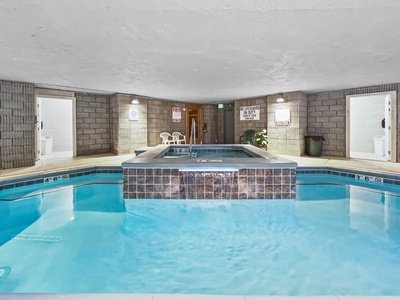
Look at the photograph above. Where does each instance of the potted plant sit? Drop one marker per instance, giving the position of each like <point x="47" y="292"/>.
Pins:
<point x="262" y="139"/>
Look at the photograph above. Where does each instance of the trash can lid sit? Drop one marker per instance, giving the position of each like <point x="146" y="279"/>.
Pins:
<point x="315" y="137"/>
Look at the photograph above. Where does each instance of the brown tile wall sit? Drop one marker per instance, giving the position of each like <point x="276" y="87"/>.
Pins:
<point x="143" y="183"/>
<point x="17" y="125"/>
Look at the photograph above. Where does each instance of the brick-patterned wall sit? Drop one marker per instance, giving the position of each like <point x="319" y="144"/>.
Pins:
<point x="128" y="135"/>
<point x="17" y="125"/>
<point x="303" y="122"/>
<point x="288" y="139"/>
<point x="327" y="116"/>
<point x="159" y="119"/>
<point x="210" y="117"/>
<point x="242" y="125"/>
<point x="114" y="123"/>
<point x="92" y="124"/>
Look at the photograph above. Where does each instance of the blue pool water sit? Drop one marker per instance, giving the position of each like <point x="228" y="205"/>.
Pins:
<point x="339" y="237"/>
<point x="223" y="153"/>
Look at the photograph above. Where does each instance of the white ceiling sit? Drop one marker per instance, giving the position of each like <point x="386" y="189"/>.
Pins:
<point x="202" y="51"/>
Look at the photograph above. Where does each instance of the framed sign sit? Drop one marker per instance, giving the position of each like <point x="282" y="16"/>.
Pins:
<point x="250" y="112"/>
<point x="133" y="114"/>
<point x="282" y="117"/>
<point x="176" y="114"/>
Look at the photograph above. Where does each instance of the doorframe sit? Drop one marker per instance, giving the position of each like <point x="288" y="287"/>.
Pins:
<point x="393" y="138"/>
<point x="199" y="109"/>
<point x="55" y="94"/>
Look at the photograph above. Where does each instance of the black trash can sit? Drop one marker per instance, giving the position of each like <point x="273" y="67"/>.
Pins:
<point x="314" y="145"/>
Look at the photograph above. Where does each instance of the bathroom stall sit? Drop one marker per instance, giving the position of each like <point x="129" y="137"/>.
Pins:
<point x="371" y="130"/>
<point x="55" y="127"/>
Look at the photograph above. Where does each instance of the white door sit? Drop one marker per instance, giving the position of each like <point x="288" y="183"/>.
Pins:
<point x="388" y="129"/>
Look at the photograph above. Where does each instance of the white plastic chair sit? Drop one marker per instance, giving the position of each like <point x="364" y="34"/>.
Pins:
<point x="178" y="138"/>
<point x="166" y="138"/>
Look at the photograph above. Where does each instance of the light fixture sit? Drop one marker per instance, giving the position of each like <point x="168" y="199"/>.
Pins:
<point x="280" y="99"/>
<point x="135" y="101"/>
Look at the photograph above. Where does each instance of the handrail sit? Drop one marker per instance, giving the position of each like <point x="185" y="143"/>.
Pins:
<point x="192" y="138"/>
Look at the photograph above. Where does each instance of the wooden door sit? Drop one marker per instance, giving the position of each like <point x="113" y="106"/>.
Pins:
<point x="193" y="111"/>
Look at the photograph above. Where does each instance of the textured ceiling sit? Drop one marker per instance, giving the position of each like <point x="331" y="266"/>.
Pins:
<point x="200" y="51"/>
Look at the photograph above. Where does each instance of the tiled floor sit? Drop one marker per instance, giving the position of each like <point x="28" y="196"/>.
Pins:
<point x="48" y="166"/>
<point x="61" y="164"/>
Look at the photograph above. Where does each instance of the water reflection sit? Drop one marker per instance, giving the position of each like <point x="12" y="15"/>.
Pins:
<point x="373" y="212"/>
<point x="49" y="231"/>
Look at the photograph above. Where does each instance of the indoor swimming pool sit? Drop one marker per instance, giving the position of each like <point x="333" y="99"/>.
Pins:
<point x="340" y="236"/>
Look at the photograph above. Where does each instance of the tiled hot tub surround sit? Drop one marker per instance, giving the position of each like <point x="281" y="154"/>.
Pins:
<point x="260" y="175"/>
<point x="172" y="183"/>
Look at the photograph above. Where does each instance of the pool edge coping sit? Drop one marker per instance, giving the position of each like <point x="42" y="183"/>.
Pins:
<point x="20" y="180"/>
<point x="109" y="296"/>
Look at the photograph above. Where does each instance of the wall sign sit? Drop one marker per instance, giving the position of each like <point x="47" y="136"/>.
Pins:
<point x="133" y="114"/>
<point x="176" y="114"/>
<point x="250" y="112"/>
<point x="282" y="116"/>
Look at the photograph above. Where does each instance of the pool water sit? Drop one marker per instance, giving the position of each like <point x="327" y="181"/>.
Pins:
<point x="225" y="153"/>
<point x="339" y="237"/>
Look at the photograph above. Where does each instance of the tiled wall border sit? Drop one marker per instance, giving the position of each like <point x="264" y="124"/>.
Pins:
<point x="12" y="183"/>
<point x="387" y="178"/>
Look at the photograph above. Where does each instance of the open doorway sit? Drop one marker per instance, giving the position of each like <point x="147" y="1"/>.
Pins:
<point x="371" y="126"/>
<point x="55" y="127"/>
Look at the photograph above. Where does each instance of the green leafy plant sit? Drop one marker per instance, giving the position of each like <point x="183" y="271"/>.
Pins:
<point x="262" y="138"/>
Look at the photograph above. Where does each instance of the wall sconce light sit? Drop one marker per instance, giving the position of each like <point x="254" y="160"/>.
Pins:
<point x="280" y="99"/>
<point x="135" y="101"/>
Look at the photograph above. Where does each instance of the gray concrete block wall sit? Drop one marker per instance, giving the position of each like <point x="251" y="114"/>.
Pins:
<point x="114" y="123"/>
<point x="327" y="116"/>
<point x="287" y="139"/>
<point x="159" y="118"/>
<point x="210" y="117"/>
<point x="128" y="135"/>
<point x="92" y="124"/>
<point x="242" y="125"/>
<point x="17" y="125"/>
<point x="303" y="124"/>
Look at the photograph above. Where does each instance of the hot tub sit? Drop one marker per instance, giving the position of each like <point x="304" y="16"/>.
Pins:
<point x="215" y="172"/>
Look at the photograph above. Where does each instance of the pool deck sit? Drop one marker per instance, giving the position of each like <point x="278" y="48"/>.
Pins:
<point x="55" y="165"/>
<point x="63" y="164"/>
